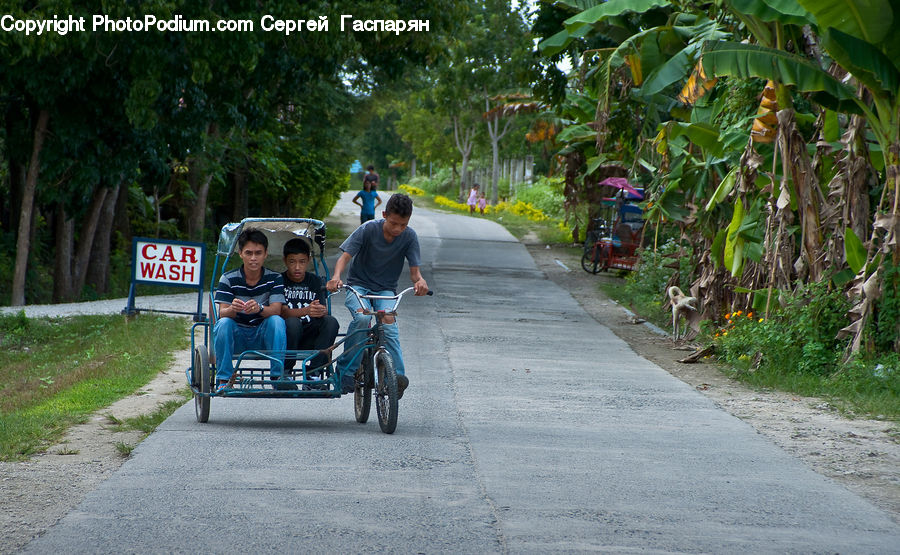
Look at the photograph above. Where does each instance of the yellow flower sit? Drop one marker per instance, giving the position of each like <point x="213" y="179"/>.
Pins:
<point x="760" y="320"/>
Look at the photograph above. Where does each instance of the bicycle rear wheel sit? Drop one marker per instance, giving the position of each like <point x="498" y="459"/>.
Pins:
<point x="362" y="390"/>
<point x="386" y="404"/>
<point x="200" y="379"/>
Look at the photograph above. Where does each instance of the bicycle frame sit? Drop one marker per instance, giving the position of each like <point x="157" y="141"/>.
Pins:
<point x="374" y="334"/>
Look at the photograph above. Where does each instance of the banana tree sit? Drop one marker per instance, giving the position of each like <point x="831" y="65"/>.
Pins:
<point x="863" y="44"/>
<point x="862" y="37"/>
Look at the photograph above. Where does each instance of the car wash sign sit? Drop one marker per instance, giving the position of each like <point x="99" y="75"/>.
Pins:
<point x="163" y="262"/>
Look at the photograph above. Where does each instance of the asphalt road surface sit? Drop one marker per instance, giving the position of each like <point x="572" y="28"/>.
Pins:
<point x="528" y="428"/>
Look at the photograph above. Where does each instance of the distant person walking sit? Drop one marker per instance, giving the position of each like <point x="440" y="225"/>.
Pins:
<point x="482" y="202"/>
<point x="368" y="199"/>
<point x="473" y="198"/>
<point x="372" y="178"/>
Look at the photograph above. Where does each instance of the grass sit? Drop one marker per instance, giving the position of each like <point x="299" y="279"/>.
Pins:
<point x="148" y="422"/>
<point x="55" y="372"/>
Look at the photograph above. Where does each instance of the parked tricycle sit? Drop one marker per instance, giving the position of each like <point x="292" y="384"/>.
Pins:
<point x="616" y="234"/>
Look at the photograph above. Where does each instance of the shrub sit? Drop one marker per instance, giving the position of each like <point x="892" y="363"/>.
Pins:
<point x="411" y="190"/>
<point x="546" y="194"/>
<point x="440" y="182"/>
<point x="646" y="284"/>
<point x="452" y="204"/>
<point x="798" y="339"/>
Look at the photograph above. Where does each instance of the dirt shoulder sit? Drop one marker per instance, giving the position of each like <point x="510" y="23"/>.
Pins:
<point x="862" y="455"/>
<point x="37" y="493"/>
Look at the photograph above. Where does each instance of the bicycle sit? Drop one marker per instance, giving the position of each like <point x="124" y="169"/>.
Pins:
<point x="596" y="247"/>
<point x="375" y="375"/>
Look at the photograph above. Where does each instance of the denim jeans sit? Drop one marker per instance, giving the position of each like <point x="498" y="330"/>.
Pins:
<point x="317" y="334"/>
<point x="347" y="365"/>
<point x="230" y="338"/>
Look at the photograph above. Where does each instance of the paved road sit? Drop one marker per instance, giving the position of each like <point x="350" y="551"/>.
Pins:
<point x="528" y="428"/>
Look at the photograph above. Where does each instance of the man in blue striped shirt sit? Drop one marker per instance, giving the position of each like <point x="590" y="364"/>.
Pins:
<point x="249" y="300"/>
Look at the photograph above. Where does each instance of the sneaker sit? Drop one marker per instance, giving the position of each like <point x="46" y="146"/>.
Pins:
<point x="221" y="387"/>
<point x="348" y="384"/>
<point x="402" y="384"/>
<point x="281" y="385"/>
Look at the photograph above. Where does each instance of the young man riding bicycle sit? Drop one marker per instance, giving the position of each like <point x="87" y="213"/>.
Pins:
<point x="375" y="253"/>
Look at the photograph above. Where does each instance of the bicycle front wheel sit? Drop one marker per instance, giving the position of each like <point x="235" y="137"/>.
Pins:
<point x="386" y="404"/>
<point x="590" y="262"/>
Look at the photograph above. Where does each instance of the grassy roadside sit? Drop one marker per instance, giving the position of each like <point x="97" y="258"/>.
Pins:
<point x="56" y="372"/>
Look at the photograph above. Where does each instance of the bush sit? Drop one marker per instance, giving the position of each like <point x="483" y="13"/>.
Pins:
<point x="645" y="286"/>
<point x="440" y="183"/>
<point x="411" y="190"/>
<point x="546" y="194"/>
<point x="887" y="320"/>
<point x="799" y="339"/>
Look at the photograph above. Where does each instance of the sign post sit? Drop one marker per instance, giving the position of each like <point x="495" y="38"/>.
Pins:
<point x="164" y="262"/>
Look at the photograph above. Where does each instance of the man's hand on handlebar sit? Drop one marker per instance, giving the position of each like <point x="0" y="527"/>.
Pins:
<point x="334" y="284"/>
<point x="420" y="287"/>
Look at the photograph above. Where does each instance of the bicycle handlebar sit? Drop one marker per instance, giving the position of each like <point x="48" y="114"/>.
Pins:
<point x="396" y="298"/>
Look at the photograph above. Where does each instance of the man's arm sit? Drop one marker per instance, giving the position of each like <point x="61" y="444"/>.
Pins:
<point x="419" y="283"/>
<point x="227" y="309"/>
<point x="249" y="308"/>
<point x="313" y="310"/>
<point x="335" y="282"/>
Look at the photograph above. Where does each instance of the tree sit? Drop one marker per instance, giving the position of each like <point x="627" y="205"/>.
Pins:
<point x="188" y="120"/>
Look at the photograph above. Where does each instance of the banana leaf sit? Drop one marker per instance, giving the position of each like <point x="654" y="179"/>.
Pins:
<point x="854" y="251"/>
<point x="865" y="61"/>
<point x="868" y="20"/>
<point x="723" y="190"/>
<point x="574" y="133"/>
<point x="610" y="9"/>
<point x="733" y="254"/>
<point x="749" y="60"/>
<point x="788" y="12"/>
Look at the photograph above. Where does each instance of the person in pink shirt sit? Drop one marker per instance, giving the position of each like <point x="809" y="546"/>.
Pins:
<point x="473" y="198"/>
<point x="482" y="202"/>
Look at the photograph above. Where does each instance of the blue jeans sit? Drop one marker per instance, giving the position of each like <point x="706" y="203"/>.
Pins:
<point x="230" y="338"/>
<point x="347" y="364"/>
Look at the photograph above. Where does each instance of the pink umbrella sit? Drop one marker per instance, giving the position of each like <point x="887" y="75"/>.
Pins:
<point x="621" y="183"/>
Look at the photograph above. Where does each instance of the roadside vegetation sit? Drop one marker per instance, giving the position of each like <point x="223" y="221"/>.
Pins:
<point x="793" y="349"/>
<point x="56" y="372"/>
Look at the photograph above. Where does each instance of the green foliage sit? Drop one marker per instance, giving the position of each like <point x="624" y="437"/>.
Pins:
<point x="738" y="100"/>
<point x="869" y="385"/>
<point x="13" y="329"/>
<point x="645" y="286"/>
<point x="440" y="183"/>
<point x="814" y="314"/>
<point x="546" y="194"/>
<point x="767" y="353"/>
<point x="887" y="322"/>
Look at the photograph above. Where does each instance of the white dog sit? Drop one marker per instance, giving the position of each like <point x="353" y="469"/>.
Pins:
<point x="682" y="305"/>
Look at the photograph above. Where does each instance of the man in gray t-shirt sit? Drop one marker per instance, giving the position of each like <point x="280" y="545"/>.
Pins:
<point x="375" y="253"/>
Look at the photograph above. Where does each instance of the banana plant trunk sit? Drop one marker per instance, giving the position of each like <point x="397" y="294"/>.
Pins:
<point x="797" y="164"/>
